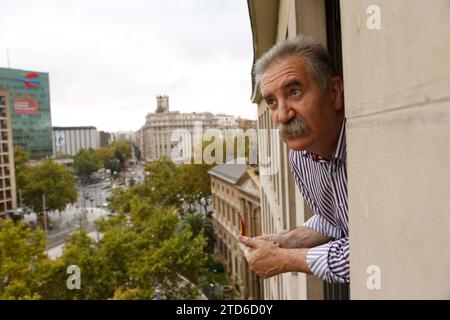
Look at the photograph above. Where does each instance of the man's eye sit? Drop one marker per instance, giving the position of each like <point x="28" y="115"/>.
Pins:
<point x="271" y="102"/>
<point x="295" y="92"/>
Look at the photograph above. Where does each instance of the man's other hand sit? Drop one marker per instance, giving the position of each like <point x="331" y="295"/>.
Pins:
<point x="264" y="256"/>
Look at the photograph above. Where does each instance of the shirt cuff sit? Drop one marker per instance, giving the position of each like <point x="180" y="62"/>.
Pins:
<point x="317" y="260"/>
<point x="319" y="224"/>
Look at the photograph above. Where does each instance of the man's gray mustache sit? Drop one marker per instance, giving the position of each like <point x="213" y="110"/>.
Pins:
<point x="295" y="127"/>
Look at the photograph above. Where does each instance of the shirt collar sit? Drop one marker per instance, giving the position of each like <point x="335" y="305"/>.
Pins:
<point x="341" y="149"/>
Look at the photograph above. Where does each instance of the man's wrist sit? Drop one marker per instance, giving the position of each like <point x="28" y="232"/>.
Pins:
<point x="295" y="238"/>
<point x="295" y="260"/>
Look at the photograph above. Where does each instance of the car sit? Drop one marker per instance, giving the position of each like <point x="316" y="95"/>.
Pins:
<point x="105" y="204"/>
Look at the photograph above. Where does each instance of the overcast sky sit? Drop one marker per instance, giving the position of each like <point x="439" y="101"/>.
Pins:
<point x="108" y="60"/>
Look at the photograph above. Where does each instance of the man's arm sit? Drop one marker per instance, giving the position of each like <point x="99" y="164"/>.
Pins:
<point x="329" y="262"/>
<point x="301" y="237"/>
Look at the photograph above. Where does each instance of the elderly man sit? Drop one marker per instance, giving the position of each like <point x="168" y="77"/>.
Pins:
<point x="305" y="96"/>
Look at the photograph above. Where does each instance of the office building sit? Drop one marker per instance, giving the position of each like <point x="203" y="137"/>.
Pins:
<point x="29" y="96"/>
<point x="8" y="202"/>
<point x="70" y="140"/>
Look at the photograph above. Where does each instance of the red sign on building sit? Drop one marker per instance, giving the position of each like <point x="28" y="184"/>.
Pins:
<point x="25" y="105"/>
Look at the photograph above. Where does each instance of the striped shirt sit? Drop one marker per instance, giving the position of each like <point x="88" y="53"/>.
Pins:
<point x="323" y="185"/>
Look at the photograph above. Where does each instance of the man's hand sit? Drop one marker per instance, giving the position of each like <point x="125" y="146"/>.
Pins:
<point x="263" y="256"/>
<point x="268" y="259"/>
<point x="277" y="239"/>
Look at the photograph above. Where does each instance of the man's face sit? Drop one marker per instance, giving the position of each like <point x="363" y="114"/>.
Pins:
<point x="304" y="113"/>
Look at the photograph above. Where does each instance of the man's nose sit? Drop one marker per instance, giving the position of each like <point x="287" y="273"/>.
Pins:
<point x="285" y="112"/>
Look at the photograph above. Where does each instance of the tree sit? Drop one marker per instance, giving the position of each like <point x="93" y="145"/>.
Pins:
<point x="86" y="162"/>
<point x="137" y="152"/>
<point x="22" y="260"/>
<point x="194" y="184"/>
<point x="162" y="182"/>
<point x="53" y="180"/>
<point x="143" y="254"/>
<point x="122" y="151"/>
<point x="107" y="155"/>
<point x="199" y="223"/>
<point x="132" y="260"/>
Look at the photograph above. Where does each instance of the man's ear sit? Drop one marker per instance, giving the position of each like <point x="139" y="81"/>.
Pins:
<point x="337" y="92"/>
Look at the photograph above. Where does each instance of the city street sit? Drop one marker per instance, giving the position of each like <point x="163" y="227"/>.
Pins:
<point x="95" y="195"/>
<point x="137" y="173"/>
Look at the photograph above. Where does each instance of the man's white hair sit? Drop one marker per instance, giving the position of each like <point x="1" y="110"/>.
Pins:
<point x="312" y="52"/>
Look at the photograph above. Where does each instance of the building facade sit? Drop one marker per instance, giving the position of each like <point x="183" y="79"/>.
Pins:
<point x="105" y="138"/>
<point x="122" y="135"/>
<point x="235" y="194"/>
<point x="70" y="140"/>
<point x="156" y="139"/>
<point x="29" y="96"/>
<point x="394" y="60"/>
<point x="246" y="124"/>
<point x="8" y="200"/>
<point x="139" y="141"/>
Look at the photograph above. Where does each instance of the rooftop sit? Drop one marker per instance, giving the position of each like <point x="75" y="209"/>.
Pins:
<point x="229" y="172"/>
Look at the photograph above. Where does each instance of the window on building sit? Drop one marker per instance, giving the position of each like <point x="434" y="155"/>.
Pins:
<point x="233" y="218"/>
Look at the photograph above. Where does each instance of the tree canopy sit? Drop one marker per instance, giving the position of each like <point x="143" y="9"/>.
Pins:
<point x="141" y="255"/>
<point x="53" y="180"/>
<point x="86" y="162"/>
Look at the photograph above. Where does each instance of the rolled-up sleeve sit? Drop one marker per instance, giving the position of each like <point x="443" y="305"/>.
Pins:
<point x="330" y="262"/>
<point x="319" y="224"/>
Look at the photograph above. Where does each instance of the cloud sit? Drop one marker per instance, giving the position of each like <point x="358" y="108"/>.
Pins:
<point x="108" y="59"/>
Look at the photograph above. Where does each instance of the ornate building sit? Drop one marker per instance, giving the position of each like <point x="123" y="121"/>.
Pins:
<point x="235" y="193"/>
<point x="155" y="138"/>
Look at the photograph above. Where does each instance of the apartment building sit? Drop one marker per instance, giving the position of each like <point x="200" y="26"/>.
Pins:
<point x="8" y="199"/>
<point x="235" y="194"/>
<point x="155" y="139"/>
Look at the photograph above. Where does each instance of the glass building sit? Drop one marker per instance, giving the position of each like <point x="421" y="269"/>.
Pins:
<point x="29" y="96"/>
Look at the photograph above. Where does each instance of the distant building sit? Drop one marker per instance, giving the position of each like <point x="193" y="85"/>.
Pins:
<point x="245" y="124"/>
<point x="70" y="140"/>
<point x="236" y="203"/>
<point x="154" y="138"/>
<point x="29" y="97"/>
<point x="122" y="135"/>
<point x="105" y="138"/>
<point x="139" y="141"/>
<point x="8" y="201"/>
